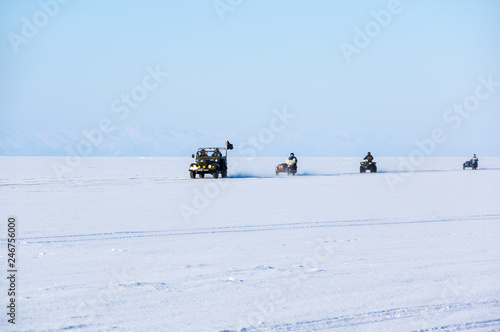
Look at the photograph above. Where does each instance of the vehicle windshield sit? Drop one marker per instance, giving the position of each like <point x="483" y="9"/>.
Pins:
<point x="209" y="153"/>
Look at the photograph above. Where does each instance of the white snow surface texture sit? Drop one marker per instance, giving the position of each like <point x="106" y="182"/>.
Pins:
<point x="135" y="244"/>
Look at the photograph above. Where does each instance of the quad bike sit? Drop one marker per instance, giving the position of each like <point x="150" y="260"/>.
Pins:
<point x="368" y="166"/>
<point x="470" y="163"/>
<point x="290" y="167"/>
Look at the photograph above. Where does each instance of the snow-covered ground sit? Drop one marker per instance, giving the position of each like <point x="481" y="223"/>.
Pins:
<point x="134" y="244"/>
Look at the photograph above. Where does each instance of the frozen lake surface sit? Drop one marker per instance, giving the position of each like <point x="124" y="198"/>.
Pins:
<point x="135" y="244"/>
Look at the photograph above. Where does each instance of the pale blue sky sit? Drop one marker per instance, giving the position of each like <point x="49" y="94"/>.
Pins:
<point x="228" y="75"/>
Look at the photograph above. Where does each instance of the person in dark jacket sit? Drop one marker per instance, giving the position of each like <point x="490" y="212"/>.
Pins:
<point x="292" y="161"/>
<point x="369" y="157"/>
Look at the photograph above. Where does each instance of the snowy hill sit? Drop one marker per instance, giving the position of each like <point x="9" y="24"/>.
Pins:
<point x="125" y="141"/>
<point x="148" y="141"/>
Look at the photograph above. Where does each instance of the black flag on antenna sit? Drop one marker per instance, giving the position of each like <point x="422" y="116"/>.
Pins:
<point x="229" y="146"/>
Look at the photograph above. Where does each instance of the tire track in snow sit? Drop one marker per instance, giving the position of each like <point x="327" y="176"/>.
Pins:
<point x="387" y="315"/>
<point x="96" y="182"/>
<point x="242" y="229"/>
<point x="489" y="324"/>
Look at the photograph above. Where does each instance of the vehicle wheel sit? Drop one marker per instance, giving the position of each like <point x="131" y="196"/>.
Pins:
<point x="216" y="175"/>
<point x="361" y="169"/>
<point x="464" y="166"/>
<point x="201" y="175"/>
<point x="224" y="174"/>
<point x="192" y="174"/>
<point x="374" y="169"/>
<point x="277" y="173"/>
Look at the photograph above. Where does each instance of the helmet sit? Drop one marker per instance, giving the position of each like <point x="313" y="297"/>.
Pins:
<point x="291" y="154"/>
<point x="369" y="153"/>
<point x="474" y="154"/>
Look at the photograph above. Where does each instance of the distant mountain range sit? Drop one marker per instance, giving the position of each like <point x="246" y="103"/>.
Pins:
<point x="147" y="141"/>
<point x="126" y="141"/>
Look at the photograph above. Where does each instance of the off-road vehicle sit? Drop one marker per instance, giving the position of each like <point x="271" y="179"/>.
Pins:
<point x="290" y="167"/>
<point x="471" y="163"/>
<point x="368" y="166"/>
<point x="210" y="161"/>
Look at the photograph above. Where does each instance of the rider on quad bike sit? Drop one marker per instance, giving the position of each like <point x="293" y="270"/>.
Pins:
<point x="368" y="158"/>
<point x="368" y="165"/>
<point x="473" y="163"/>
<point x="292" y="164"/>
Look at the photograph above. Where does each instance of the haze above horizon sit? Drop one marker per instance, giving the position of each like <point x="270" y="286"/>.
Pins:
<point x="317" y="78"/>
